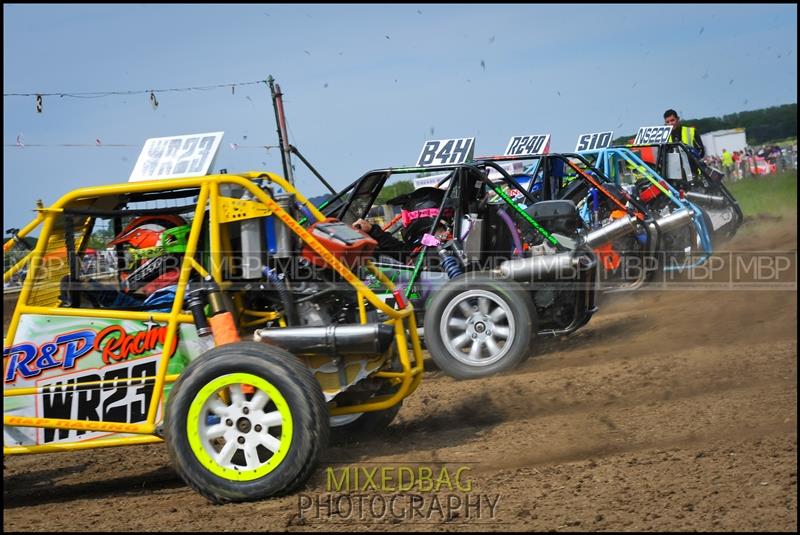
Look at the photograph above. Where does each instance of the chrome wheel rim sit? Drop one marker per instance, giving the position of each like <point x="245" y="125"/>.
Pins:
<point x="477" y="328"/>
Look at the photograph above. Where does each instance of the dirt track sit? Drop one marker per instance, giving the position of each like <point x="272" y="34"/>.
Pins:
<point x="671" y="410"/>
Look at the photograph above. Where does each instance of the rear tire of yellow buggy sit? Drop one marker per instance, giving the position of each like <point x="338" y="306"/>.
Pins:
<point x="234" y="443"/>
<point x="367" y="424"/>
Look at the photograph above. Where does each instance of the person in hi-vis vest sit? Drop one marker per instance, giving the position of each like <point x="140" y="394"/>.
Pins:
<point x="687" y="135"/>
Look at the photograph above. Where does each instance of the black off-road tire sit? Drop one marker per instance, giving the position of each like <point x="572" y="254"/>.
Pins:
<point x="302" y="395"/>
<point x="367" y="424"/>
<point x="501" y="293"/>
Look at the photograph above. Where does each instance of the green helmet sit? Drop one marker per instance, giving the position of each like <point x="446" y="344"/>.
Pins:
<point x="172" y="241"/>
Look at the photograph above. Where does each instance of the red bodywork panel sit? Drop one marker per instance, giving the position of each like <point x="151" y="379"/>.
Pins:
<point x="348" y="245"/>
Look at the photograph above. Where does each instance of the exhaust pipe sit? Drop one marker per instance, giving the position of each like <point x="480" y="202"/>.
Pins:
<point x="674" y="220"/>
<point x="537" y="267"/>
<point x="368" y="340"/>
<point x="617" y="229"/>
<point x="714" y="201"/>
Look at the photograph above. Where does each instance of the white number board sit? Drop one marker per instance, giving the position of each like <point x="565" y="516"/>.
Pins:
<point x="446" y="151"/>
<point x="652" y="135"/>
<point x="528" y="145"/>
<point x="176" y="156"/>
<point x="598" y="140"/>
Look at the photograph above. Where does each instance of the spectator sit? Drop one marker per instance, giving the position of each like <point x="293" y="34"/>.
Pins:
<point x="737" y="165"/>
<point x="748" y="161"/>
<point x="727" y="163"/>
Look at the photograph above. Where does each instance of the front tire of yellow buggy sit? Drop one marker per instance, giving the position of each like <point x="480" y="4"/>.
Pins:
<point x="245" y="421"/>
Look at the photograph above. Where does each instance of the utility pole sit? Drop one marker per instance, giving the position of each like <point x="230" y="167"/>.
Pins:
<point x="283" y="136"/>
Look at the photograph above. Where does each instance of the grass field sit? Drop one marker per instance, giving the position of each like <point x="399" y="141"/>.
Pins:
<point x="771" y="194"/>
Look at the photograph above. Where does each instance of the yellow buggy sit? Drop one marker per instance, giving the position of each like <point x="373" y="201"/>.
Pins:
<point x="182" y="330"/>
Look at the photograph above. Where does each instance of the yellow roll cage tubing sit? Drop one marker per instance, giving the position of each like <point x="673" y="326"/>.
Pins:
<point x="403" y="320"/>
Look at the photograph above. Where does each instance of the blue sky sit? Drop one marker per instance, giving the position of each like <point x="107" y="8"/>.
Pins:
<point x="396" y="75"/>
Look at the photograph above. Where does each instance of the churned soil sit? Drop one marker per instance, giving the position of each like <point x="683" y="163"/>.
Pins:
<point x="675" y="408"/>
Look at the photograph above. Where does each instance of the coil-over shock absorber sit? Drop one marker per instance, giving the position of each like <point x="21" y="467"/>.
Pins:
<point x="452" y="266"/>
<point x="450" y="260"/>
